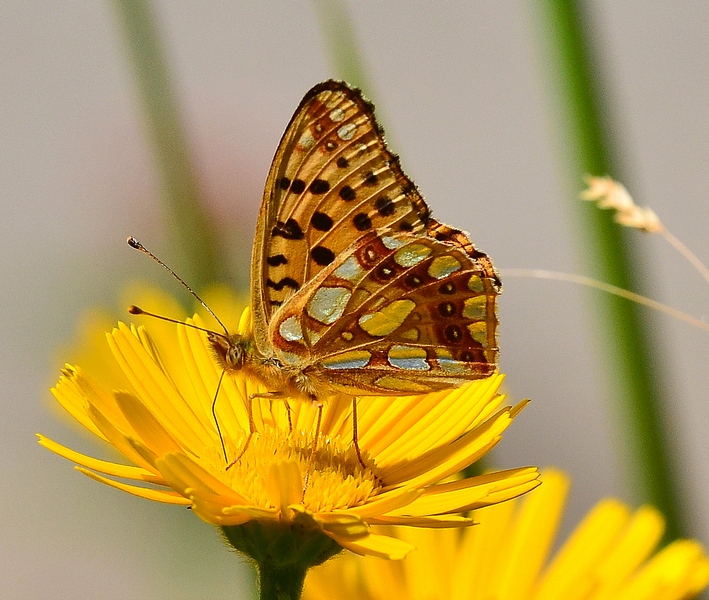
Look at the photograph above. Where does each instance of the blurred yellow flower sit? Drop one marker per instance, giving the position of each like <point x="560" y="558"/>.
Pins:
<point x="506" y="557"/>
<point x="156" y="409"/>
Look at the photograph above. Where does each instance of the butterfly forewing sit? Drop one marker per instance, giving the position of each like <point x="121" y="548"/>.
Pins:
<point x="353" y="282"/>
<point x="332" y="181"/>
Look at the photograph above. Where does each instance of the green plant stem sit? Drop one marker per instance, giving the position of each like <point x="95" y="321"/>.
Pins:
<point x="277" y="582"/>
<point x="191" y="237"/>
<point x="283" y="553"/>
<point x="635" y="382"/>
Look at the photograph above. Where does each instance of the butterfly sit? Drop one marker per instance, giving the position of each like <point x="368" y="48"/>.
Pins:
<point x="355" y="288"/>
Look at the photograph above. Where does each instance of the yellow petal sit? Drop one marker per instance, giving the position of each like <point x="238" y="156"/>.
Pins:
<point x="381" y="546"/>
<point x="169" y="497"/>
<point x="148" y="428"/>
<point x="446" y="460"/>
<point x="386" y="502"/>
<point x="342" y="525"/>
<point x="284" y="486"/>
<point x="108" y="468"/>
<point x="183" y="473"/>
<point x="204" y="376"/>
<point x="155" y="389"/>
<point x="531" y="535"/>
<point x="678" y="571"/>
<point x="116" y="437"/>
<point x="636" y="543"/>
<point x="464" y="494"/>
<point x="582" y="552"/>
<point x="430" y="521"/>
<point x="72" y="396"/>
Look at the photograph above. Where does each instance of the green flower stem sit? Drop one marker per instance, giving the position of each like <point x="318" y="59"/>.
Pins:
<point x="626" y="346"/>
<point x="192" y="251"/>
<point x="283" y="553"/>
<point x="281" y="582"/>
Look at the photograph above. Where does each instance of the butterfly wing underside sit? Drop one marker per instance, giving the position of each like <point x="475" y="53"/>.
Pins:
<point x="351" y="277"/>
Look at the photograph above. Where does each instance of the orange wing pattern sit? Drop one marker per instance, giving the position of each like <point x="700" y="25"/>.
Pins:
<point x="351" y="277"/>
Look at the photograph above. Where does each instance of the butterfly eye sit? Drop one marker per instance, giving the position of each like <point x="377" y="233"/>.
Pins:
<point x="236" y="355"/>
<point x="230" y="351"/>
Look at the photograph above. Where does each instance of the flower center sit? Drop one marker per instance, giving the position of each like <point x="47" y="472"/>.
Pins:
<point x="332" y="477"/>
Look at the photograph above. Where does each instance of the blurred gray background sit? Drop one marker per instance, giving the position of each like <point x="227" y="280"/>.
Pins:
<point x="462" y="90"/>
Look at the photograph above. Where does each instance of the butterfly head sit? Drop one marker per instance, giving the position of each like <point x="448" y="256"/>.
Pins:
<point x="231" y="351"/>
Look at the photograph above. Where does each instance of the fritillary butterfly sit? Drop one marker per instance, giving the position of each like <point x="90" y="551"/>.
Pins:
<point x="356" y="289"/>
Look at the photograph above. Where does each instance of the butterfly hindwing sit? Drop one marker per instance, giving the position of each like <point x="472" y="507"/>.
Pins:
<point x="396" y="314"/>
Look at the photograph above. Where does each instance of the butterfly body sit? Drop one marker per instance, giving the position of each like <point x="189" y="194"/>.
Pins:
<point x="355" y="288"/>
<point x="236" y="353"/>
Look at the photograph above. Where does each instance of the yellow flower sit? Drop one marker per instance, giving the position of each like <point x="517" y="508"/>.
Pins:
<point x="609" y="556"/>
<point x="156" y="409"/>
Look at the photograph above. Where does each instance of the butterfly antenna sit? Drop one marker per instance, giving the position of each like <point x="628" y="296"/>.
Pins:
<point x="136" y="310"/>
<point x="133" y="243"/>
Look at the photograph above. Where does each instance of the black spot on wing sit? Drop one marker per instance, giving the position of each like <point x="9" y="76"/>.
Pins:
<point x="321" y="221"/>
<point x="447" y="234"/>
<point x="446" y="309"/>
<point x="285" y="282"/>
<point x="453" y="334"/>
<point x="319" y="186"/>
<point x="408" y="189"/>
<point x="276" y="260"/>
<point x="362" y="221"/>
<point x="347" y="193"/>
<point x="475" y="355"/>
<point x="289" y="230"/>
<point x="322" y="255"/>
<point x="412" y="281"/>
<point x="386" y="271"/>
<point x="385" y="207"/>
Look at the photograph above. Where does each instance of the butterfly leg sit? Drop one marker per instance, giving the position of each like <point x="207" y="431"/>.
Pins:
<point x="289" y="412"/>
<point x="214" y="414"/>
<point x="355" y="436"/>
<point x="252" y="423"/>
<point x="252" y="430"/>
<point x="316" y="439"/>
